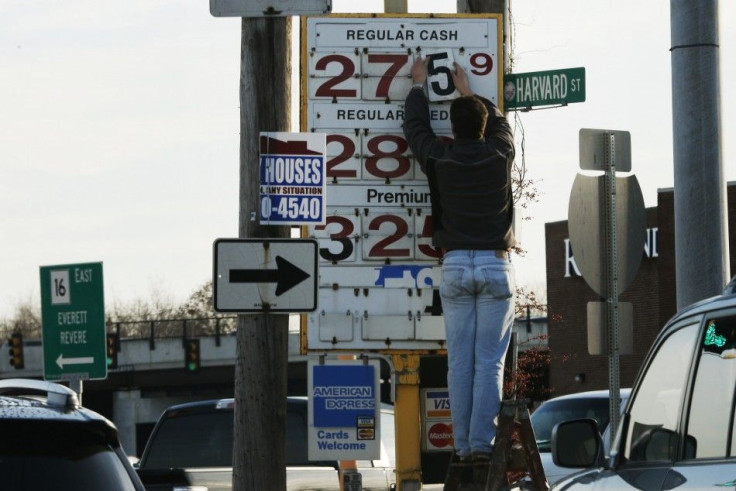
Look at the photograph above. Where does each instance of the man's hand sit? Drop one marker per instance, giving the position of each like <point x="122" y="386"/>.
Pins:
<point x="460" y="79"/>
<point x="419" y="69"/>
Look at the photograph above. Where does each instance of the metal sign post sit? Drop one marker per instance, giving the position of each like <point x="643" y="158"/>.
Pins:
<point x="614" y="407"/>
<point x="607" y="225"/>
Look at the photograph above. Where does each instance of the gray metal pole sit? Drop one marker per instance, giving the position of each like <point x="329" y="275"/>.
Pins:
<point x="701" y="229"/>
<point x="614" y="407"/>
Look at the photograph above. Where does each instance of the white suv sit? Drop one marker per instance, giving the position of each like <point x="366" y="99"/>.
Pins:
<point x="678" y="429"/>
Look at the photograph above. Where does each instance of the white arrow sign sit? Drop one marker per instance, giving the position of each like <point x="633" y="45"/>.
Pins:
<point x="82" y="360"/>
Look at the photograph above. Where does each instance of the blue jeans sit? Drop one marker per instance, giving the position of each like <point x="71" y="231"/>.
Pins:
<point x="477" y="291"/>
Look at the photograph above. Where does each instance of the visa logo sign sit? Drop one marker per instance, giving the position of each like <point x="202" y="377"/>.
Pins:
<point x="441" y="403"/>
<point x="437" y="404"/>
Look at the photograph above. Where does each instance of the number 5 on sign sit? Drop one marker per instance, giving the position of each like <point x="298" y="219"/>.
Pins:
<point x="439" y="76"/>
<point x="479" y="65"/>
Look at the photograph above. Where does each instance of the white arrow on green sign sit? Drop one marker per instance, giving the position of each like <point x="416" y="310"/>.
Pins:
<point x="73" y="322"/>
<point x="548" y="88"/>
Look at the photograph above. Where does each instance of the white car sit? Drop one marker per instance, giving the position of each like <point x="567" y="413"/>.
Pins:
<point x="582" y="405"/>
<point x="678" y="429"/>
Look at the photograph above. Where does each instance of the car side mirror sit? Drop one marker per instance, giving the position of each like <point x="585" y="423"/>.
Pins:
<point x="577" y="443"/>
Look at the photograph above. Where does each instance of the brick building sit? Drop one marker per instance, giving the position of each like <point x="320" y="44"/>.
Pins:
<point x="652" y="294"/>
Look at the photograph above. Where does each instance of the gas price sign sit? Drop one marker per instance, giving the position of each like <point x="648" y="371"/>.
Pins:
<point x="379" y="274"/>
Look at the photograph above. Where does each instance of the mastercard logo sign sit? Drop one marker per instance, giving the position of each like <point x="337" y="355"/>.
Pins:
<point x="440" y="435"/>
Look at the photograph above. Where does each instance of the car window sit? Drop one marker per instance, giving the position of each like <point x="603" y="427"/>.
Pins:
<point x="206" y="440"/>
<point x="296" y="431"/>
<point x="42" y="456"/>
<point x="712" y="405"/>
<point x="193" y="440"/>
<point x="653" y="415"/>
<point x="546" y="416"/>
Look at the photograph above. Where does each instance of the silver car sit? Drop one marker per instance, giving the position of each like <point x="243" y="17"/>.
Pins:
<point x="678" y="429"/>
<point x="582" y="405"/>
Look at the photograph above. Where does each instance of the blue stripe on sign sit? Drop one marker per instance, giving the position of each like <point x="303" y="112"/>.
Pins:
<point x="438" y="395"/>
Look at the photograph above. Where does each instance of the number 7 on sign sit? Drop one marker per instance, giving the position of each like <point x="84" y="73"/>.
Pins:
<point x="439" y="76"/>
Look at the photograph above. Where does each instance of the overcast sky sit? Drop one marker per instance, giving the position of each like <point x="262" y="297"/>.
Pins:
<point x="119" y="128"/>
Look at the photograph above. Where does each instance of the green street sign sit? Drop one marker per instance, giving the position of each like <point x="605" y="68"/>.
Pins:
<point x="73" y="322"/>
<point x="525" y="90"/>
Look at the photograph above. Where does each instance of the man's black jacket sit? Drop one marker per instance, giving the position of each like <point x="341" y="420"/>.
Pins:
<point x="470" y="180"/>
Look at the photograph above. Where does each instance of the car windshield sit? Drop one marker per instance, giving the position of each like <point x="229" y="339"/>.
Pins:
<point x="39" y="455"/>
<point x="546" y="416"/>
<point x="206" y="440"/>
<point x="193" y="440"/>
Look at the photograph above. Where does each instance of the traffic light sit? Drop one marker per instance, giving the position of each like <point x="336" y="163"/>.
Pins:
<point x="192" y="361"/>
<point x="111" y="348"/>
<point x="16" y="350"/>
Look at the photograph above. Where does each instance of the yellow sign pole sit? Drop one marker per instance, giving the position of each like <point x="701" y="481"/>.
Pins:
<point x="348" y="467"/>
<point x="406" y="421"/>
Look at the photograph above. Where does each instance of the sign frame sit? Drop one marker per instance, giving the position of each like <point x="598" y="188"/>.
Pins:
<point x="436" y="417"/>
<point x="268" y="8"/>
<point x="344" y="433"/>
<point x="73" y="322"/>
<point x="292" y="178"/>
<point x="355" y="76"/>
<point x="543" y="88"/>
<point x="253" y="275"/>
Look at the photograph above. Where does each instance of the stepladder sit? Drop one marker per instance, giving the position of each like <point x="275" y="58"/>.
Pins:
<point x="515" y="459"/>
<point x="515" y="462"/>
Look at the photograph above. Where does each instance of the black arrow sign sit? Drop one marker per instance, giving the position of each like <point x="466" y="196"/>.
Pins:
<point x="286" y="275"/>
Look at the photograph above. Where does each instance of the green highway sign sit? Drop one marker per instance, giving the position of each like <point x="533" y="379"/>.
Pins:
<point x="525" y="90"/>
<point x="73" y="322"/>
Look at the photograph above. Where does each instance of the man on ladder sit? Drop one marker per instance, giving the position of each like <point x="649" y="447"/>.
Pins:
<point x="472" y="215"/>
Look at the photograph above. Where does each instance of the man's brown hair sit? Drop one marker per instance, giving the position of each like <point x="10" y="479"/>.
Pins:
<point x="468" y="116"/>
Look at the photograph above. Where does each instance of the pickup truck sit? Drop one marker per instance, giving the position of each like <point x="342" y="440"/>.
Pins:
<point x="191" y="445"/>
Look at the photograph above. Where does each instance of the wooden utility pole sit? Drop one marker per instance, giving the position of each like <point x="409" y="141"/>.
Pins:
<point x="259" y="453"/>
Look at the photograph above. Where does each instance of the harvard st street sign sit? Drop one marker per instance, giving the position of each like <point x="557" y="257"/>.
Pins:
<point x="554" y="87"/>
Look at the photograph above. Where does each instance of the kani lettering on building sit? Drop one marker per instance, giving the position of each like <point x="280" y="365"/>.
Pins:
<point x="651" y="251"/>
